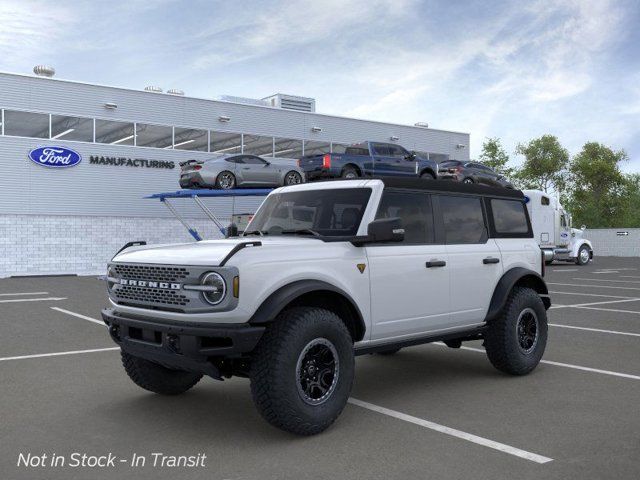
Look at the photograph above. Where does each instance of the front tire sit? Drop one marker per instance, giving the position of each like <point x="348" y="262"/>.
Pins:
<point x="302" y="370"/>
<point x="468" y="180"/>
<point x="428" y="176"/>
<point x="225" y="180"/>
<point x="156" y="378"/>
<point x="584" y="255"/>
<point x="515" y="341"/>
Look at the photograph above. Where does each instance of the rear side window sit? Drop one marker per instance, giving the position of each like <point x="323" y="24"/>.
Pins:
<point x="463" y="219"/>
<point x="414" y="210"/>
<point x="544" y="200"/>
<point x="381" y="149"/>
<point x="509" y="216"/>
<point x="357" y="150"/>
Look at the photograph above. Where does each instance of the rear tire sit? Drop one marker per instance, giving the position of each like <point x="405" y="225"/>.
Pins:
<point x="584" y="255"/>
<point x="302" y="370"/>
<point x="292" y="178"/>
<point x="515" y="341"/>
<point x="225" y="180"/>
<point x="156" y="378"/>
<point x="349" y="173"/>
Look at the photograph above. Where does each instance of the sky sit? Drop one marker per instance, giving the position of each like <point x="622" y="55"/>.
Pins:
<point x="514" y="70"/>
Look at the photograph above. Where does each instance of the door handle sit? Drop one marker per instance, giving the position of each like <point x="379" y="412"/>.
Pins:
<point x="436" y="263"/>
<point x="246" y="168"/>
<point x="490" y="260"/>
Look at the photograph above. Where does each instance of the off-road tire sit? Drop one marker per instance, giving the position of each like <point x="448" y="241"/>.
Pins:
<point x="156" y="378"/>
<point x="391" y="351"/>
<point x="274" y="379"/>
<point x="427" y="176"/>
<point x="579" y="260"/>
<point x="501" y="338"/>
<point x="350" y="173"/>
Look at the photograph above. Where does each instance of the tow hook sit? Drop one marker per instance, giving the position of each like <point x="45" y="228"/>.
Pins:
<point x="173" y="343"/>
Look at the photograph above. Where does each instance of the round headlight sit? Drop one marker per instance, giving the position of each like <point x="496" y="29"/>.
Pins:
<point x="217" y="288"/>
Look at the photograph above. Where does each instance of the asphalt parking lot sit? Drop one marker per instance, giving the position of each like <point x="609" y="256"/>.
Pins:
<point x="427" y="412"/>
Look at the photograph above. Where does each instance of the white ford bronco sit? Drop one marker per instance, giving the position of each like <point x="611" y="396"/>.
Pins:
<point x="325" y="272"/>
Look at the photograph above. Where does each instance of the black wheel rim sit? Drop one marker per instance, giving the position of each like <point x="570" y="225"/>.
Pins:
<point x="293" y="178"/>
<point x="527" y="330"/>
<point x="317" y="371"/>
<point x="350" y="175"/>
<point x="226" y="181"/>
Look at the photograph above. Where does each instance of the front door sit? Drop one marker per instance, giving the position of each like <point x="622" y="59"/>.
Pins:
<point x="256" y="171"/>
<point x="475" y="262"/>
<point x="409" y="280"/>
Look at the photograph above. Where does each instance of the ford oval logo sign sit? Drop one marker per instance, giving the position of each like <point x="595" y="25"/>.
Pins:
<point x="55" y="157"/>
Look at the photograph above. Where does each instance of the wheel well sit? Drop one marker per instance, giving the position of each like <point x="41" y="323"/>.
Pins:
<point x="354" y="166"/>
<point x="517" y="277"/>
<point x="533" y="282"/>
<point x="336" y="303"/>
<point x="429" y="171"/>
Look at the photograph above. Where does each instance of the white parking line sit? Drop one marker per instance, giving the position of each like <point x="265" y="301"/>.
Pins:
<point x="605" y="280"/>
<point x="485" y="442"/>
<point x="578" y="305"/>
<point x="566" y="365"/>
<point x="562" y="270"/>
<point x="593" y="286"/>
<point x="22" y="293"/>
<point x="589" y="294"/>
<point x="16" y="300"/>
<point x="610" y="310"/>
<point x="614" y="332"/>
<point x="84" y="317"/>
<point x="629" y="276"/>
<point x="606" y="272"/>
<point x="58" y="354"/>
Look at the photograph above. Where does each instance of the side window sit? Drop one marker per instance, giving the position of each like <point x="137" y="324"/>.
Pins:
<point x="397" y="151"/>
<point x="509" y="216"/>
<point x="463" y="219"/>
<point x="414" y="210"/>
<point x="544" y="200"/>
<point x="234" y="160"/>
<point x="381" y="149"/>
<point x="251" y="160"/>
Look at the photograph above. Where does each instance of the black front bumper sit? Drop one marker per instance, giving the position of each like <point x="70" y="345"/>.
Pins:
<point x="190" y="347"/>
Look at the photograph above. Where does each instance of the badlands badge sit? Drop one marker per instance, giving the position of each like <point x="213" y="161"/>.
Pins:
<point x="361" y="267"/>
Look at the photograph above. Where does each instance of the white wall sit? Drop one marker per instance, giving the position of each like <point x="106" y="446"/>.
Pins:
<point x="607" y="242"/>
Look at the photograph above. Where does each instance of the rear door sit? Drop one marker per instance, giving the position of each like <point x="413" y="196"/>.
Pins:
<point x="475" y="263"/>
<point x="409" y="280"/>
<point x="383" y="161"/>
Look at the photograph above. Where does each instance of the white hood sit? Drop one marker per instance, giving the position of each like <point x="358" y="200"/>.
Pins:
<point x="208" y="253"/>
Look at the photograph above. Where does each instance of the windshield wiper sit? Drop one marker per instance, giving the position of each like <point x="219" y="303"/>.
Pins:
<point x="302" y="231"/>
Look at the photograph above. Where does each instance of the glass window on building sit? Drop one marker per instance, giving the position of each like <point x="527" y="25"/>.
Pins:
<point x="72" y="128"/>
<point x="338" y="147"/>
<point x="287" y="148"/>
<point x="114" y="133"/>
<point x="257" y="145"/>
<point x="191" y="139"/>
<point x="312" y="147"/>
<point x="158" y="136"/>
<point x="26" y="124"/>
<point x="225" y="143"/>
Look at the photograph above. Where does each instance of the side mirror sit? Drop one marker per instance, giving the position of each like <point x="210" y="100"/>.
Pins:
<point x="382" y="230"/>
<point x="231" y="231"/>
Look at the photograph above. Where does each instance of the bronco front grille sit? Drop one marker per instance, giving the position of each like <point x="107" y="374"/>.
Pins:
<point x="152" y="273"/>
<point x="134" y="294"/>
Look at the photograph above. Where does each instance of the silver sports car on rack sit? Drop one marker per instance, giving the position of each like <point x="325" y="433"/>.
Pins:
<point x="239" y="170"/>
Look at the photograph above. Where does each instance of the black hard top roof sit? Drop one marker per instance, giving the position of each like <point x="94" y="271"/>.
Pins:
<point x="450" y="186"/>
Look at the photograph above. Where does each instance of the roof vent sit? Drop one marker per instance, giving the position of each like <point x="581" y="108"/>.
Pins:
<point x="292" y="102"/>
<point x="44" y="71"/>
<point x="152" y="88"/>
<point x="422" y="124"/>
<point x="175" y="91"/>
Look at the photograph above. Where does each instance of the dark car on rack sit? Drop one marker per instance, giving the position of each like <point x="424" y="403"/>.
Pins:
<point x="471" y="172"/>
<point x="368" y="159"/>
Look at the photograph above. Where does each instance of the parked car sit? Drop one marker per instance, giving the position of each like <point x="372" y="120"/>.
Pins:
<point x="368" y="159"/>
<point x="239" y="170"/>
<point x="324" y="272"/>
<point x="471" y="172"/>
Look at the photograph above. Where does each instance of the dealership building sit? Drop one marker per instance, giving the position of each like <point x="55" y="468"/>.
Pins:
<point x="129" y="144"/>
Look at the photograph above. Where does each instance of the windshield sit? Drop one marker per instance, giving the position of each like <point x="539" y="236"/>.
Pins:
<point x="334" y="212"/>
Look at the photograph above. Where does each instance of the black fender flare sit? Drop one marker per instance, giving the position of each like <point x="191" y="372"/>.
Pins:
<point x="279" y="299"/>
<point x="506" y="283"/>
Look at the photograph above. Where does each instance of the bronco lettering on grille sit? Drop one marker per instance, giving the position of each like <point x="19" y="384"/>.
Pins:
<point x="149" y="284"/>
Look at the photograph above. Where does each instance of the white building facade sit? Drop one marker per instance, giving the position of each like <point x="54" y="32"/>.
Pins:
<point x="130" y="143"/>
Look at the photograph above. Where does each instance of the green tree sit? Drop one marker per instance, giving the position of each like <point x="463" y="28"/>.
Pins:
<point x="599" y="193"/>
<point x="545" y="164"/>
<point x="495" y="156"/>
<point x="631" y="217"/>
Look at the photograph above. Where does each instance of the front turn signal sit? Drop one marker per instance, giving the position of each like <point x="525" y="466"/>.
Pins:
<point x="236" y="287"/>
